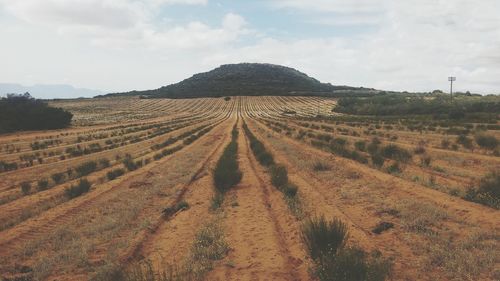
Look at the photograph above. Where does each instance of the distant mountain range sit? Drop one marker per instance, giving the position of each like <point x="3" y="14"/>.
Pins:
<point x="43" y="91"/>
<point x="250" y="79"/>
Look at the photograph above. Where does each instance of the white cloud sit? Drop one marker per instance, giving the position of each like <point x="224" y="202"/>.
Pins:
<point x="101" y="13"/>
<point x="119" y="24"/>
<point x="416" y="44"/>
<point x="387" y="44"/>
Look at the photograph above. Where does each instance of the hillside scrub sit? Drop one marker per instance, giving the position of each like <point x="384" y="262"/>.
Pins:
<point x="23" y="112"/>
<point x="249" y="79"/>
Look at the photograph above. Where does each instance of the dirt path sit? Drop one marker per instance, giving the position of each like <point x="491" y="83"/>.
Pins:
<point x="262" y="234"/>
<point x="176" y="234"/>
<point x="62" y="214"/>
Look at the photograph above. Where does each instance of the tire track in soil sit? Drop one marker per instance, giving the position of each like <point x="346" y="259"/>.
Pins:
<point x="320" y="199"/>
<point x="174" y="234"/>
<point x="262" y="234"/>
<point x="391" y="241"/>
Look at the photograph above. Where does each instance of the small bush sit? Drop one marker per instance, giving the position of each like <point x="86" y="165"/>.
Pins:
<point x="279" y="176"/>
<point x="382" y="226"/>
<point x="488" y="192"/>
<point x="76" y="190"/>
<point x="86" y="168"/>
<point x="394" y="168"/>
<point x="290" y="190"/>
<point x="58" y="177"/>
<point x="490" y="185"/>
<point x="26" y="187"/>
<point x="129" y="163"/>
<point x="217" y="201"/>
<point x="486" y="141"/>
<point x="360" y="145"/>
<point x="104" y="163"/>
<point x="353" y="264"/>
<point x="258" y="149"/>
<point x="227" y="173"/>
<point x="464" y="141"/>
<point x="324" y="238"/>
<point x="377" y="160"/>
<point x="425" y="160"/>
<point x="320" y="166"/>
<point x="43" y="184"/>
<point x="111" y="175"/>
<point x="395" y="152"/>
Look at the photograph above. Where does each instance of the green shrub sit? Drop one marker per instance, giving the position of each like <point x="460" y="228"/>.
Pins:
<point x="258" y="149"/>
<point x="290" y="190"/>
<point x="111" y="175"/>
<point x="43" y="184"/>
<point x="86" y="168"/>
<point x="104" y="163"/>
<point x="395" y="152"/>
<point x="76" y="190"/>
<point x="377" y="160"/>
<point x="227" y="173"/>
<point x="129" y="163"/>
<point x="353" y="264"/>
<point x="326" y="244"/>
<point x="490" y="185"/>
<point x="217" y="201"/>
<point x="394" y="168"/>
<point x="57" y="177"/>
<point x="26" y="187"/>
<point x="464" y="141"/>
<point x="486" y="141"/>
<point x="488" y="192"/>
<point x="320" y="166"/>
<point x="324" y="238"/>
<point x="373" y="147"/>
<point x="360" y="145"/>
<point x="279" y="176"/>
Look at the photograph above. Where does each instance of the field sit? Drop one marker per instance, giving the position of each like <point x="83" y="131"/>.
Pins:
<point x="132" y="192"/>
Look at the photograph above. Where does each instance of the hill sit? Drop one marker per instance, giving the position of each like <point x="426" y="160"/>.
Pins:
<point x="249" y="79"/>
<point x="48" y="91"/>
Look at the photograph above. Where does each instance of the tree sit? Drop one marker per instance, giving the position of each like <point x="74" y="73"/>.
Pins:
<point x="23" y="112"/>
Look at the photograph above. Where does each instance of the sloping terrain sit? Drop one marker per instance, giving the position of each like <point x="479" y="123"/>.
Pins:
<point x="152" y="205"/>
<point x="249" y="79"/>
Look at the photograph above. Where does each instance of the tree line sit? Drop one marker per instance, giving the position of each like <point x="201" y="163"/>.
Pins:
<point x="399" y="104"/>
<point x="23" y="112"/>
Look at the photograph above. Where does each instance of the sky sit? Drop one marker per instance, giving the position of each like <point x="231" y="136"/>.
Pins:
<point x="123" y="45"/>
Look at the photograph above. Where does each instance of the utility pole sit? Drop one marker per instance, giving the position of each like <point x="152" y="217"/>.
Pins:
<point x="451" y="79"/>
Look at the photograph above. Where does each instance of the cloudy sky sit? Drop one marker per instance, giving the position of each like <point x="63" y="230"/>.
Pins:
<point x="120" y="45"/>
